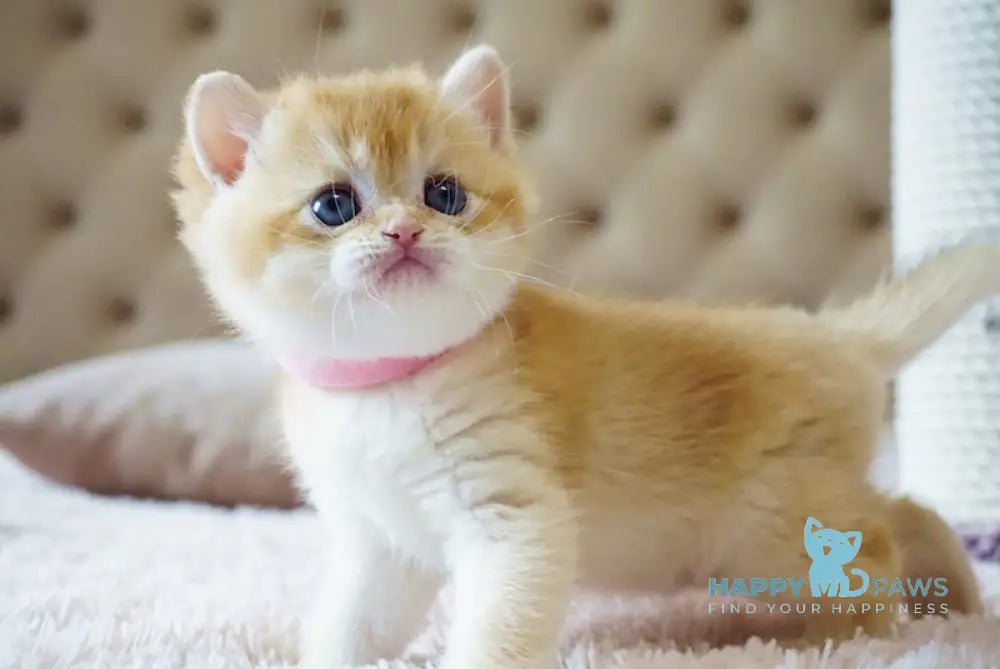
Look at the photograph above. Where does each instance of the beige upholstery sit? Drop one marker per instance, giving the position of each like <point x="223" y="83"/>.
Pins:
<point x="710" y="147"/>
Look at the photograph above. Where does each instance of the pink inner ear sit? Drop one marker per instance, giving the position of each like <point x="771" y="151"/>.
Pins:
<point x="224" y="114"/>
<point x="477" y="78"/>
<point x="223" y="149"/>
<point x="226" y="152"/>
<point x="490" y="105"/>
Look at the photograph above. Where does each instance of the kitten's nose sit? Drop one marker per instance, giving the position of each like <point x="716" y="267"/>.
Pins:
<point x="403" y="231"/>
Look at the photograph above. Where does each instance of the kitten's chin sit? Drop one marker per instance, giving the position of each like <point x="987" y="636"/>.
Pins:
<point x="417" y="319"/>
<point x="413" y="331"/>
<point x="423" y="316"/>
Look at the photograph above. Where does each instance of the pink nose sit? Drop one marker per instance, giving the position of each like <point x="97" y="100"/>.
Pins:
<point x="404" y="232"/>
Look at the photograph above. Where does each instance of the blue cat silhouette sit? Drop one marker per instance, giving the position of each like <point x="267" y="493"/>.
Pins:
<point x="830" y="550"/>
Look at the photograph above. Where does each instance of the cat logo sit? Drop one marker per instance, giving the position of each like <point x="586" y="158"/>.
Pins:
<point x="830" y="551"/>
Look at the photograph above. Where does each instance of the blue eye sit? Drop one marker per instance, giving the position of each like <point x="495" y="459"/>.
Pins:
<point x="445" y="195"/>
<point x="335" y="205"/>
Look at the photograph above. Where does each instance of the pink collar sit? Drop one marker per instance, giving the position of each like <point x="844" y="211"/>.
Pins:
<point x="344" y="374"/>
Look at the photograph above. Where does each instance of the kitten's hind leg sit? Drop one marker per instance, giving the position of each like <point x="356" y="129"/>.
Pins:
<point x="840" y="617"/>
<point x="826" y="617"/>
<point x="931" y="550"/>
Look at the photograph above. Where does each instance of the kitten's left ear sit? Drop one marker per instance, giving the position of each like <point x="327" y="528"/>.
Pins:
<point x="478" y="79"/>
<point x="224" y="115"/>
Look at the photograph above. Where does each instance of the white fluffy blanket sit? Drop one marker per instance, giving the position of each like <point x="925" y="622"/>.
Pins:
<point x="128" y="584"/>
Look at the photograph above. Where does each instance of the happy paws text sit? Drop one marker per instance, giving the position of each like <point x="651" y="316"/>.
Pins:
<point x="772" y="587"/>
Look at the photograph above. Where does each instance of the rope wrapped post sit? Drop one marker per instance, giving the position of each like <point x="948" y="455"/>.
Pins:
<point x="946" y="190"/>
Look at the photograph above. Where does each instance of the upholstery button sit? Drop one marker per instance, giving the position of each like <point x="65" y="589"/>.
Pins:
<point x="119" y="310"/>
<point x="6" y="307"/>
<point x="132" y="117"/>
<point x="589" y="217"/>
<point x="801" y="113"/>
<point x="525" y="117"/>
<point x="877" y="12"/>
<point x="10" y="118"/>
<point x="463" y="19"/>
<point x="735" y="13"/>
<point x="200" y="21"/>
<point x="71" y="22"/>
<point x="331" y="19"/>
<point x="871" y="217"/>
<point x="662" y="116"/>
<point x="597" y="15"/>
<point x="727" y="217"/>
<point x="62" y="215"/>
<point x="171" y="221"/>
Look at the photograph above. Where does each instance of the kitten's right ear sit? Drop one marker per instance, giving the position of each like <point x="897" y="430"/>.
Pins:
<point x="478" y="79"/>
<point x="223" y="115"/>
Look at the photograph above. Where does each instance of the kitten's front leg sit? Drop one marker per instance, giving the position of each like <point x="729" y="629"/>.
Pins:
<point x="512" y="572"/>
<point x="370" y="605"/>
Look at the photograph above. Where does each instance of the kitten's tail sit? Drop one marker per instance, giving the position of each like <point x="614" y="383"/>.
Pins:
<point x="907" y="314"/>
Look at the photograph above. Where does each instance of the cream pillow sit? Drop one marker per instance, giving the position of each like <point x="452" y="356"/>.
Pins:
<point x="183" y="421"/>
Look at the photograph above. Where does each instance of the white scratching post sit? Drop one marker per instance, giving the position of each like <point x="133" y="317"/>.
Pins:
<point x="946" y="189"/>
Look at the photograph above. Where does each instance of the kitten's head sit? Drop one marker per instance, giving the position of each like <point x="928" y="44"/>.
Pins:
<point x="367" y="216"/>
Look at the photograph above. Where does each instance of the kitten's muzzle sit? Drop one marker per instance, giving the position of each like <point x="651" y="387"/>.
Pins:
<point x="405" y="257"/>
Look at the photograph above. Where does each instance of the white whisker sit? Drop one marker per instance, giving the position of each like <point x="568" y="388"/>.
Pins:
<point x="533" y="227"/>
<point x="319" y="35"/>
<point x="532" y="261"/>
<point x="368" y="289"/>
<point x="484" y="311"/>
<point x="496" y="218"/>
<point x="319" y="290"/>
<point x="470" y="99"/>
<point x="333" y="323"/>
<point x="527" y="277"/>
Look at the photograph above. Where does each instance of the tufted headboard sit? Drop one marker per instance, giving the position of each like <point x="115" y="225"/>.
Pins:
<point x="718" y="148"/>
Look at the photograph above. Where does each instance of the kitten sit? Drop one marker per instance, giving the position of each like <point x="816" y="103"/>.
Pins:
<point x="451" y="423"/>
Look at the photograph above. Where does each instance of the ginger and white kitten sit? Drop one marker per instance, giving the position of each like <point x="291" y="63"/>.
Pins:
<point x="525" y="440"/>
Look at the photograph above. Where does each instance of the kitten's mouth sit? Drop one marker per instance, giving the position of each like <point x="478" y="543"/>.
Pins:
<point x="407" y="265"/>
<point x="410" y="264"/>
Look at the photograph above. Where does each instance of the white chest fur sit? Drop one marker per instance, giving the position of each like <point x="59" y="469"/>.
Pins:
<point x="416" y="458"/>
